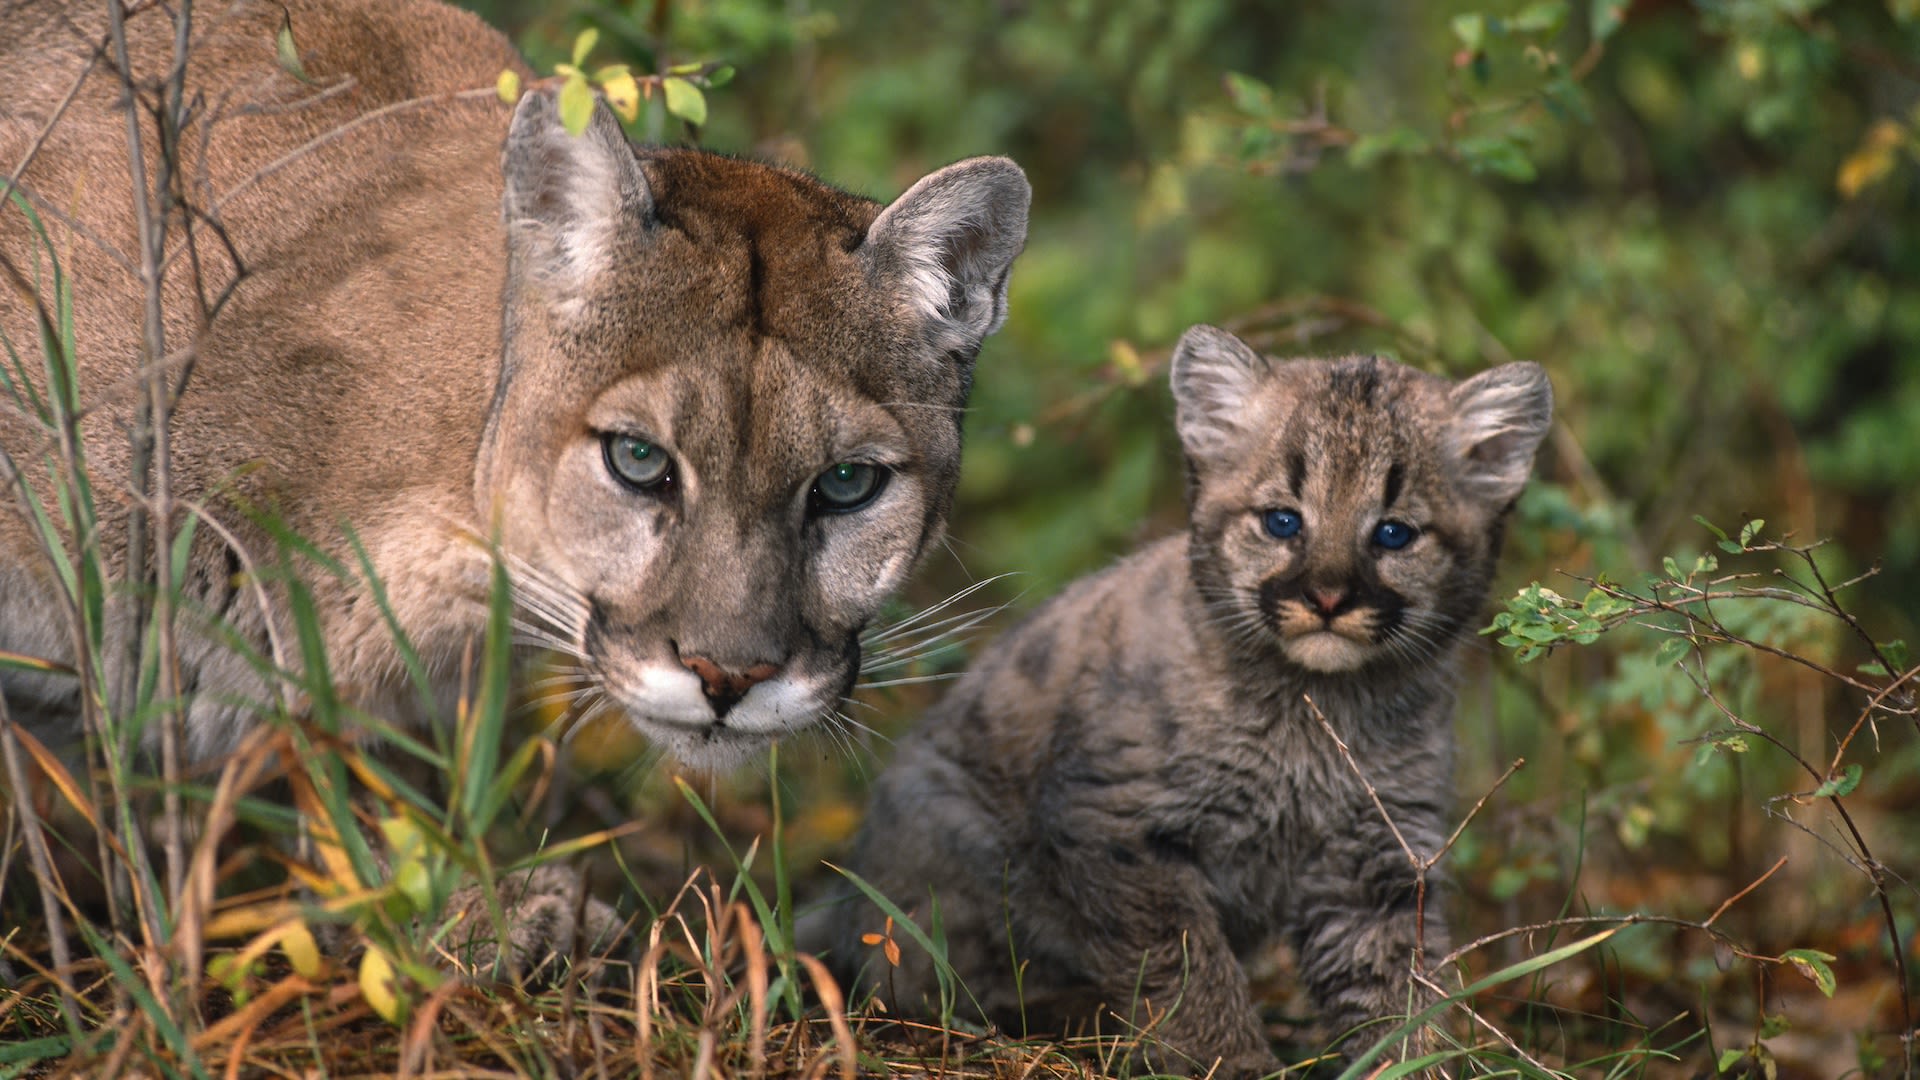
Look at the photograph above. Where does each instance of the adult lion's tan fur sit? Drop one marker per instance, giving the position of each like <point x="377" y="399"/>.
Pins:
<point x="433" y="343"/>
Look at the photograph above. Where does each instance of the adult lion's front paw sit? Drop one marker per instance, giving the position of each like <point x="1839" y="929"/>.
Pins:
<point x="548" y="919"/>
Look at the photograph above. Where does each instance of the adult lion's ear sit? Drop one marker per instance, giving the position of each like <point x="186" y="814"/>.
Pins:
<point x="949" y="243"/>
<point x="569" y="198"/>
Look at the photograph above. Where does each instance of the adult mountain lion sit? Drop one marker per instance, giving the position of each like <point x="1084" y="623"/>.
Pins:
<point x="709" y="409"/>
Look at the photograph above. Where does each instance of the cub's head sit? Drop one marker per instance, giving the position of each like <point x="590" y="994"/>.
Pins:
<point x="728" y="418"/>
<point x="1347" y="513"/>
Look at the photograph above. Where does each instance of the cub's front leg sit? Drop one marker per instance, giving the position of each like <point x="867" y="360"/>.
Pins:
<point x="1151" y="941"/>
<point x="1361" y="919"/>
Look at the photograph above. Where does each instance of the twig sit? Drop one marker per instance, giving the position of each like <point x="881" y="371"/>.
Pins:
<point x="1471" y="814"/>
<point x="1735" y="898"/>
<point x="1475" y="1016"/>
<point x="42" y="869"/>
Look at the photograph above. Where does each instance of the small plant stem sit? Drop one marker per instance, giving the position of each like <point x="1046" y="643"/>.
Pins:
<point x="36" y="841"/>
<point x="150" y="415"/>
<point x="1420" y="865"/>
<point x="1454" y="837"/>
<point x="1735" y="898"/>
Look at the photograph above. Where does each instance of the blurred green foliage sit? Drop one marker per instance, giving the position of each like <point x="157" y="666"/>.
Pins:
<point x="1657" y="216"/>
<point x="1703" y="218"/>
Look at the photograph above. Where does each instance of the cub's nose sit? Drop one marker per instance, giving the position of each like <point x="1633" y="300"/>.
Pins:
<point x="1327" y="600"/>
<point x="724" y="688"/>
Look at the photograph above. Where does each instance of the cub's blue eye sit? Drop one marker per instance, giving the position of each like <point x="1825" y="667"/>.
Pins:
<point x="637" y="463"/>
<point x="1281" y="524"/>
<point x="849" y="485"/>
<point x="1393" y="535"/>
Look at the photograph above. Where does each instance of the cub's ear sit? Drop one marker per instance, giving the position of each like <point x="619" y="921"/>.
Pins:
<point x="569" y="198"/>
<point x="948" y="244"/>
<point x="1499" y="418"/>
<point x="1214" y="374"/>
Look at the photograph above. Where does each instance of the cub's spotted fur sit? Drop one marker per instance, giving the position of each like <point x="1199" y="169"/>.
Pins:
<point x="1130" y="784"/>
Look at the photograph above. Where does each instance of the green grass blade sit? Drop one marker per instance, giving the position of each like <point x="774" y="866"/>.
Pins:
<point x="136" y="988"/>
<point x="1359" y="1066"/>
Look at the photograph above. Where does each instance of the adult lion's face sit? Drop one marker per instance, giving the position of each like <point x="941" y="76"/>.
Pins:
<point x="729" y="420"/>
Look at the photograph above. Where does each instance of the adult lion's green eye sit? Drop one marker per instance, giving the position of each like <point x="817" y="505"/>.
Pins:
<point x="638" y="463"/>
<point x="847" y="486"/>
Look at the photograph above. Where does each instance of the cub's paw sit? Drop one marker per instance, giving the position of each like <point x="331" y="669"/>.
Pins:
<point x="549" y="919"/>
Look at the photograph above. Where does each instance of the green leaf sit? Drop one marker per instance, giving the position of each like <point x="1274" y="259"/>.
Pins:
<point x="685" y="101"/>
<point x="1836" y="786"/>
<point x="1671" y="567"/>
<point x="1776" y="1024"/>
<point x="1728" y="546"/>
<point x="576" y="104"/>
<point x="1813" y="964"/>
<point x="1896" y="653"/>
<point x="1606" y="17"/>
<point x="1729" y="1058"/>
<point x="1671" y="651"/>
<point x="1471" y="29"/>
<point x="1370" y="148"/>
<point x="1705" y="564"/>
<point x="1499" y="155"/>
<point x="686" y="69"/>
<point x="1565" y="98"/>
<point x="1248" y="94"/>
<point x="1710" y="527"/>
<point x="1735" y="743"/>
<point x="32" y="1050"/>
<point x="583" y="44"/>
<point x="1544" y="17"/>
<point x="286" y="51"/>
<point x="1750" y="530"/>
<point x="721" y="75"/>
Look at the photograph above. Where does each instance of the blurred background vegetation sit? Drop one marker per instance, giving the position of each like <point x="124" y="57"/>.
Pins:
<point x="1703" y="218"/>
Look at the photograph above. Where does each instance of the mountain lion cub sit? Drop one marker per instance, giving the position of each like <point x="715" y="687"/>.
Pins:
<point x="709" y="409"/>
<point x="1131" y="785"/>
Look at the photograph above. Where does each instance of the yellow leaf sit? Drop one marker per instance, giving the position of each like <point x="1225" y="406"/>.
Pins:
<point x="57" y="772"/>
<point x="508" y="86"/>
<point x="623" y="94"/>
<point x="1126" y="360"/>
<point x="893" y="952"/>
<point x="302" y="951"/>
<point x="377" y="985"/>
<point x="241" y="921"/>
<point x="404" y="838"/>
<point x="1873" y="160"/>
